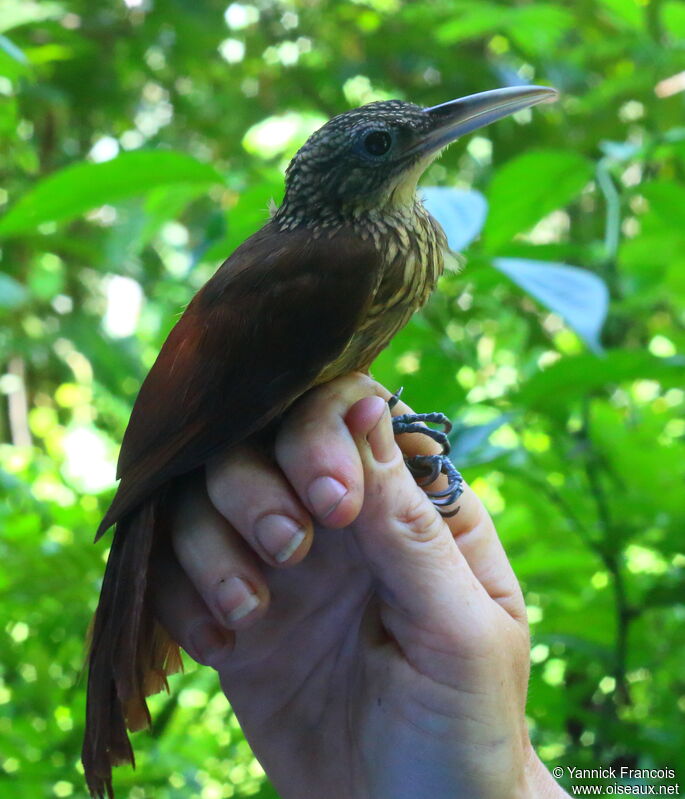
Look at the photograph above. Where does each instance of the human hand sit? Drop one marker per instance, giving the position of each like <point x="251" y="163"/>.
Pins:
<point x="385" y="651"/>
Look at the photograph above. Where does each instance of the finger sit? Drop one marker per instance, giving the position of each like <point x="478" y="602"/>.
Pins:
<point x="318" y="454"/>
<point x="476" y="536"/>
<point x="250" y="491"/>
<point x="424" y="577"/>
<point x="218" y="563"/>
<point x="184" y="614"/>
<point x="473" y="530"/>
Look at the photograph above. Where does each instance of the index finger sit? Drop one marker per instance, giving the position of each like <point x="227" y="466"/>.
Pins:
<point x="473" y="531"/>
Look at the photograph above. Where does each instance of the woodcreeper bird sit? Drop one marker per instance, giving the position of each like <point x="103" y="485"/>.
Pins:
<point x="317" y="293"/>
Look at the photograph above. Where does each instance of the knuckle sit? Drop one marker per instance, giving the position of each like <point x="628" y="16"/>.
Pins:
<point x="332" y="398"/>
<point x="222" y="472"/>
<point x="219" y="492"/>
<point x="216" y="486"/>
<point x="236" y="484"/>
<point x="420" y="519"/>
<point x="302" y="418"/>
<point x="352" y="383"/>
<point x="304" y="440"/>
<point x="207" y="568"/>
<point x="184" y="544"/>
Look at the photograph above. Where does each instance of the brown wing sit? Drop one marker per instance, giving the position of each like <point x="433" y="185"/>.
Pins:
<point x="255" y="337"/>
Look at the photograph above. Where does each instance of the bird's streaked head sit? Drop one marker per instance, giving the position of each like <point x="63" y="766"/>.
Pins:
<point x="372" y="157"/>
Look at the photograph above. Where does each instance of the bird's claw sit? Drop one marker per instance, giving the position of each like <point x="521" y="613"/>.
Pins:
<point x="395" y="398"/>
<point x="416" y="423"/>
<point x="427" y="468"/>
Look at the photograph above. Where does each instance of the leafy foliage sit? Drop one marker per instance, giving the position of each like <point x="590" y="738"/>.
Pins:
<point x="76" y="189"/>
<point x="142" y="141"/>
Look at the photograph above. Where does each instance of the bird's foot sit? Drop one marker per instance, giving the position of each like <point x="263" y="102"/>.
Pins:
<point x="426" y="469"/>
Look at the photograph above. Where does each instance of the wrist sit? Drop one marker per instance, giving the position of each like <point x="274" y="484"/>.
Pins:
<point x="540" y="784"/>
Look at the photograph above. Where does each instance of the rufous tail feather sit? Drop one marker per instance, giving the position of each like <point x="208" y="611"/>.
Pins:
<point x="130" y="653"/>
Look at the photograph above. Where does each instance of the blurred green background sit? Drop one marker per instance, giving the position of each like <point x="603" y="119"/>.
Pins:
<point x="140" y="142"/>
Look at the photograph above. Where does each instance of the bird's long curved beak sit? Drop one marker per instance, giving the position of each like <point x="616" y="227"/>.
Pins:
<point x="459" y="117"/>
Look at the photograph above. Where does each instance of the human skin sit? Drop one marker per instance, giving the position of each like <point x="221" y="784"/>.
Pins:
<point x="387" y="654"/>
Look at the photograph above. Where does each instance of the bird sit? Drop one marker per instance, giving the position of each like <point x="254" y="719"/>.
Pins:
<point x="318" y="292"/>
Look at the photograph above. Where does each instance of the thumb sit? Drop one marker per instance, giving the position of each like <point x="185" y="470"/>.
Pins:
<point x="409" y="547"/>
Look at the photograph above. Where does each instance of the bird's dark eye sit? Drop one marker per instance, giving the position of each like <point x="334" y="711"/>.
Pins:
<point x="378" y="142"/>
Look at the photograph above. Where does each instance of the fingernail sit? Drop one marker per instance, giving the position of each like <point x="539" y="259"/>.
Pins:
<point x="236" y="599"/>
<point x="381" y="438"/>
<point x="279" y="535"/>
<point x="325" y="494"/>
<point x="209" y="642"/>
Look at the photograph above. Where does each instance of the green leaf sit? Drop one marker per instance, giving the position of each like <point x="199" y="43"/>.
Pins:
<point x="13" y="62"/>
<point x="528" y="188"/>
<point x="78" y="188"/>
<point x="673" y="16"/>
<point x="471" y="21"/>
<point x="23" y="12"/>
<point x="249" y="214"/>
<point x="538" y="28"/>
<point x="656" y="258"/>
<point x="669" y="590"/>
<point x="566" y="380"/>
<point x="138" y="221"/>
<point x="626" y="13"/>
<point x="46" y="277"/>
<point x="164" y="203"/>
<point x="666" y="200"/>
